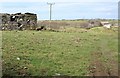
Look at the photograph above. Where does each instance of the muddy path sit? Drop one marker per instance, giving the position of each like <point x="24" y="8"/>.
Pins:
<point x="99" y="67"/>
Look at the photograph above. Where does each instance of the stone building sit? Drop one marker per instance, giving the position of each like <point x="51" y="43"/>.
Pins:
<point x="18" y="21"/>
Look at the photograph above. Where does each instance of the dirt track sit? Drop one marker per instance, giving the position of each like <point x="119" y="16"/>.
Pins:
<point x="100" y="68"/>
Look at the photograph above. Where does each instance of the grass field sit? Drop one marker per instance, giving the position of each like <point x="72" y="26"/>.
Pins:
<point x="73" y="52"/>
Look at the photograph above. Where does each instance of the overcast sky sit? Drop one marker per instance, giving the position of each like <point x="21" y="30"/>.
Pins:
<point x="63" y="9"/>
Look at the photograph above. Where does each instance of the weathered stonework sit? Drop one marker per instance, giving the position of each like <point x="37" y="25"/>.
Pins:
<point x="18" y="21"/>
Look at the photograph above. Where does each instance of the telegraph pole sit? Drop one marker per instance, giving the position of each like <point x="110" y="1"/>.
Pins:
<point x="50" y="4"/>
<point x="50" y="14"/>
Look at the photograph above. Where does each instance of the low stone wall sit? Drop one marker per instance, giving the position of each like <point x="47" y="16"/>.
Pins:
<point x="18" y="21"/>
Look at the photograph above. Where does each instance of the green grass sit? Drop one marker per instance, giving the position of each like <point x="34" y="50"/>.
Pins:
<point x="48" y="53"/>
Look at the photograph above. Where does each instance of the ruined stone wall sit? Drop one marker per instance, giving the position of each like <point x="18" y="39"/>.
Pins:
<point x="18" y="21"/>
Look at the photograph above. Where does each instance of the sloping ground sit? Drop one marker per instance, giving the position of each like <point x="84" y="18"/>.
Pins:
<point x="105" y="61"/>
<point x="73" y="52"/>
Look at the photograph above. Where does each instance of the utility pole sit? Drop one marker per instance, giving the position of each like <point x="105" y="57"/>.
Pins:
<point x="50" y="4"/>
<point x="50" y="14"/>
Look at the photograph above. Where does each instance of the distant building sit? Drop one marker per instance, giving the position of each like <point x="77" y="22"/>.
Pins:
<point x="18" y="21"/>
<point x="106" y="24"/>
